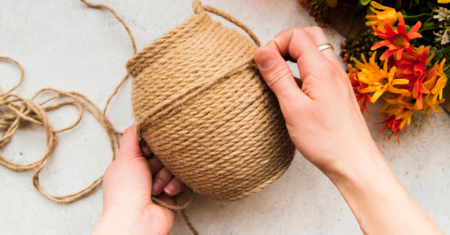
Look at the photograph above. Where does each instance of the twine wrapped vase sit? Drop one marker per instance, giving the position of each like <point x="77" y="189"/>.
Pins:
<point x="205" y="111"/>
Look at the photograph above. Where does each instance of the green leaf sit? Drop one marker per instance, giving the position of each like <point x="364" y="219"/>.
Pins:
<point x="428" y="23"/>
<point x="398" y="3"/>
<point x="422" y="2"/>
<point x="365" y="2"/>
<point x="407" y="28"/>
<point x="416" y="2"/>
<point x="350" y="38"/>
<point x="431" y="5"/>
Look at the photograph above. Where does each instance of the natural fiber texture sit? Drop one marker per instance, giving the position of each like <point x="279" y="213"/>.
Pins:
<point x="199" y="102"/>
<point x="203" y="108"/>
<point x="22" y="110"/>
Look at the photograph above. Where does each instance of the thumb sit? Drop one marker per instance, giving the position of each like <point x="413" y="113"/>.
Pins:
<point x="278" y="75"/>
<point x="129" y="148"/>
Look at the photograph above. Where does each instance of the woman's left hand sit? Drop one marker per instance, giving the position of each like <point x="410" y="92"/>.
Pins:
<point x="128" y="188"/>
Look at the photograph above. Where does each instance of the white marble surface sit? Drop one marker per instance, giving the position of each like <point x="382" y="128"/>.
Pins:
<point x="65" y="45"/>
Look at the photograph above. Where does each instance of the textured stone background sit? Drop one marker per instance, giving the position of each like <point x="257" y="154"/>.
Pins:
<point x="65" y="45"/>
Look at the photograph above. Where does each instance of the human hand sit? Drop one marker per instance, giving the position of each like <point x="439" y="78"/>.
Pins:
<point x="127" y="191"/>
<point x="326" y="125"/>
<point x="323" y="118"/>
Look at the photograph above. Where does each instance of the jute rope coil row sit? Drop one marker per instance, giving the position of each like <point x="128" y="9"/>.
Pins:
<point x="199" y="102"/>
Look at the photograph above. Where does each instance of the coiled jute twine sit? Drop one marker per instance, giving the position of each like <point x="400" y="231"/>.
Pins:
<point x="200" y="104"/>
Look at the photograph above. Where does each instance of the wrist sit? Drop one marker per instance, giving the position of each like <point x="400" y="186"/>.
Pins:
<point x="353" y="161"/>
<point x="116" y="220"/>
<point x="361" y="166"/>
<point x="377" y="198"/>
<point x="364" y="184"/>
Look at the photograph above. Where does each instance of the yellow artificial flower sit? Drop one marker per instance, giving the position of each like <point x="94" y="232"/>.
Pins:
<point x="431" y="103"/>
<point x="434" y="98"/>
<point x="443" y="1"/>
<point x="387" y="14"/>
<point x="441" y="82"/>
<point x="371" y="73"/>
<point x="431" y="77"/>
<point x="371" y="66"/>
<point x="381" y="81"/>
<point x="400" y="108"/>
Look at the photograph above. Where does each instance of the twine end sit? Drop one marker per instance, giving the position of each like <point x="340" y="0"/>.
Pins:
<point x="197" y="5"/>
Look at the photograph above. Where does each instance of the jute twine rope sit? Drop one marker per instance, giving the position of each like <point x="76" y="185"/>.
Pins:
<point x="22" y="110"/>
<point x="199" y="102"/>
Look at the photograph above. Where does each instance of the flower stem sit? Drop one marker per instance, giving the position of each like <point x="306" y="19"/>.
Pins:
<point x="441" y="50"/>
<point x="416" y="16"/>
<point x="431" y="28"/>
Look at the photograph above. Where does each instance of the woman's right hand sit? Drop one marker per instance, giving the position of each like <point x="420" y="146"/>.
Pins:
<point x="322" y="117"/>
<point x="326" y="125"/>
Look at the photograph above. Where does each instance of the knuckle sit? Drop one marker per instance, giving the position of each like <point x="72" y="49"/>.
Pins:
<point x="317" y="30"/>
<point x="298" y="30"/>
<point x="285" y="31"/>
<point x="276" y="76"/>
<point x="317" y="33"/>
<point x="165" y="174"/>
<point x="334" y="72"/>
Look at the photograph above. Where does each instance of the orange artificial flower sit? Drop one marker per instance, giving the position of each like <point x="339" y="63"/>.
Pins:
<point x="422" y="85"/>
<point x="414" y="63"/>
<point x="394" y="125"/>
<point x="396" y="41"/>
<point x="357" y="85"/>
<point x="398" y="112"/>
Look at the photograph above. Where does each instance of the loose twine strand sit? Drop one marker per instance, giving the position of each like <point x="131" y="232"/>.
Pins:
<point x="199" y="8"/>
<point x="22" y="110"/>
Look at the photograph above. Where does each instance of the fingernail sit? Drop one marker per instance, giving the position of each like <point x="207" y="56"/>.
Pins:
<point x="265" y="58"/>
<point x="157" y="187"/>
<point x="146" y="151"/>
<point x="170" y="188"/>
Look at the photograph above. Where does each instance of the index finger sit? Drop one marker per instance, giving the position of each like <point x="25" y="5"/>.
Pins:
<point x="296" y="44"/>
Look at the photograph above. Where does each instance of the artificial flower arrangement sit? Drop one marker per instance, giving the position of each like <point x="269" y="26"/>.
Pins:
<point x="401" y="57"/>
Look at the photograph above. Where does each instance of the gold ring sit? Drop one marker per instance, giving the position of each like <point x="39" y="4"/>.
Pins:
<point x="326" y="46"/>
